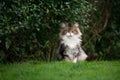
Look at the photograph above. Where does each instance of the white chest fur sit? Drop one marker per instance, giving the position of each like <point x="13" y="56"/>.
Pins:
<point x="71" y="42"/>
<point x="71" y="49"/>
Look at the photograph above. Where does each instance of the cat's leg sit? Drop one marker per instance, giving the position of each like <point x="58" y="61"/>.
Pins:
<point x="67" y="58"/>
<point x="70" y="59"/>
<point x="82" y="56"/>
<point x="74" y="60"/>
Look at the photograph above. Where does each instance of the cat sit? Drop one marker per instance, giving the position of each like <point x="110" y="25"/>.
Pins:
<point x="69" y="48"/>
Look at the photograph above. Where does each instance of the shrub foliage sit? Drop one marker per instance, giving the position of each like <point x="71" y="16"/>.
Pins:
<point x="29" y="28"/>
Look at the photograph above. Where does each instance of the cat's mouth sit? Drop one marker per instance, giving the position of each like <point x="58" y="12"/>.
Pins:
<point x="69" y="36"/>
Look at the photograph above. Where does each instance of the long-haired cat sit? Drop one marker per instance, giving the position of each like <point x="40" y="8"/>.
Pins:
<point x="70" y="43"/>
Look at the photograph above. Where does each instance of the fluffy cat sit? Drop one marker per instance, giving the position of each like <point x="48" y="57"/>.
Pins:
<point x="70" y="43"/>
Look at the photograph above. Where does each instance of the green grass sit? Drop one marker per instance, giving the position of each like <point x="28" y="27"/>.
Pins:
<point x="97" y="70"/>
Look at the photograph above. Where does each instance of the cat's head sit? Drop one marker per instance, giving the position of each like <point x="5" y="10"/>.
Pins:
<point x="70" y="30"/>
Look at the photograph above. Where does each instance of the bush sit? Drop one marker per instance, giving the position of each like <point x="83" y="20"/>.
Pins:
<point x="29" y="28"/>
<point x="102" y="38"/>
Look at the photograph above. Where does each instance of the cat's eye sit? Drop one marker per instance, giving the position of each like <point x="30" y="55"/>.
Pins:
<point x="65" y="31"/>
<point x="74" y="31"/>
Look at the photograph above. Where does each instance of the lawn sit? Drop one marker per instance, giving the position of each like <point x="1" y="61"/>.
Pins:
<point x="34" y="70"/>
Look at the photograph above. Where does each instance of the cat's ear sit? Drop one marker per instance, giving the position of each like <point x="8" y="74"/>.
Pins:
<point x="76" y="24"/>
<point x="63" y="25"/>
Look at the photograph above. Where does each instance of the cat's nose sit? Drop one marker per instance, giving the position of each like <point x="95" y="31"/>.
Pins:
<point x="69" y="34"/>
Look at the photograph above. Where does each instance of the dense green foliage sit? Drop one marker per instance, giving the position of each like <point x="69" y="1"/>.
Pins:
<point x="107" y="41"/>
<point x="29" y="28"/>
<point x="101" y="70"/>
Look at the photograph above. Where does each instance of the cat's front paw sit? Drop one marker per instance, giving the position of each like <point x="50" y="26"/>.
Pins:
<point x="75" y="60"/>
